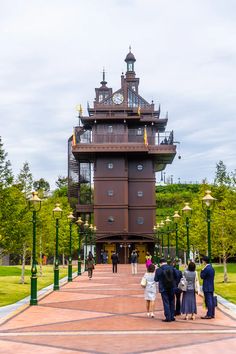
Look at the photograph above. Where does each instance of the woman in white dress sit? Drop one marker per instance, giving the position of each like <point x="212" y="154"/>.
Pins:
<point x="150" y="290"/>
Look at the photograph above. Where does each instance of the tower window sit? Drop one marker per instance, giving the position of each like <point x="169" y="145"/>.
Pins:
<point x="139" y="167"/>
<point x="110" y="165"/>
<point x="130" y="67"/>
<point x="140" y="220"/>
<point x="140" y="193"/>
<point x="110" y="192"/>
<point x="110" y="219"/>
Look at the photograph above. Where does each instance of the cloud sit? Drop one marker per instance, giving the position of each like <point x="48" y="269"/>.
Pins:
<point x="52" y="57"/>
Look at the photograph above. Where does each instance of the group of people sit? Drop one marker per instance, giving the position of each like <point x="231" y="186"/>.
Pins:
<point x="176" y="300"/>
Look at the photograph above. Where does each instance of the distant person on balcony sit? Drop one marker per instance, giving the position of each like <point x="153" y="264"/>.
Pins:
<point x="115" y="261"/>
<point x="134" y="262"/>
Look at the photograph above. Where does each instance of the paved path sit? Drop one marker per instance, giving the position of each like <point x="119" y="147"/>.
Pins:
<point x="106" y="315"/>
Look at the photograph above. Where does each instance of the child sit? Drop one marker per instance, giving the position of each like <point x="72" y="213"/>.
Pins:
<point x="150" y="290"/>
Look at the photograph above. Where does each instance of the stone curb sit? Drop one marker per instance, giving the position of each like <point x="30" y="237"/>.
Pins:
<point x="9" y="311"/>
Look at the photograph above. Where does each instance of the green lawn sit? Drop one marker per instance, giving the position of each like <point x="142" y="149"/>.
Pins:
<point x="10" y="289"/>
<point x="226" y="290"/>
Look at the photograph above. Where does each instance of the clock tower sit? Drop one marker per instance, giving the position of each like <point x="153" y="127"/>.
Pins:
<point x="113" y="157"/>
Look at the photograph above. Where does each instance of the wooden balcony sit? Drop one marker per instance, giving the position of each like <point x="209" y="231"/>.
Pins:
<point x="159" y="147"/>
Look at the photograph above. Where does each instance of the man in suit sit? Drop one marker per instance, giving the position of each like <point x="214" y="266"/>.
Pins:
<point x="166" y="275"/>
<point x="178" y="292"/>
<point x="208" y="274"/>
<point x="115" y="261"/>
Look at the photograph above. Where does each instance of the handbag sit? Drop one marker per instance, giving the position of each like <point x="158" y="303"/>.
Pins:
<point x="143" y="282"/>
<point x="215" y="301"/>
<point x="183" y="284"/>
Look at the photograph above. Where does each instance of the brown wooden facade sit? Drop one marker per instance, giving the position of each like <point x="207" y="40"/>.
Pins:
<point x="116" y="151"/>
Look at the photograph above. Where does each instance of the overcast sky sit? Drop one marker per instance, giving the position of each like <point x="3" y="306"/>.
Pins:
<point x="53" y="53"/>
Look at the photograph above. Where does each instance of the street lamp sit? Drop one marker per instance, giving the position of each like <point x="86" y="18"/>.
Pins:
<point x="70" y="219"/>
<point x="168" y="221"/>
<point x="86" y="226"/>
<point x="187" y="211"/>
<point x="157" y="244"/>
<point x="57" y="214"/>
<point x="79" y="222"/>
<point x="95" y="251"/>
<point x="162" y="224"/>
<point x="176" y="217"/>
<point x="90" y="236"/>
<point x="34" y="204"/>
<point x="208" y="204"/>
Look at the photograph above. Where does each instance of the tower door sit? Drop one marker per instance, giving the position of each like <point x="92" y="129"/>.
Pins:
<point x="142" y="249"/>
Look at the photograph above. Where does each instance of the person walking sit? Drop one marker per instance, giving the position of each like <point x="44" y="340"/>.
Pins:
<point x="178" y="292"/>
<point x="148" y="258"/>
<point x="166" y="276"/>
<point x="189" y="306"/>
<point x="208" y="275"/>
<point x="90" y="265"/>
<point x="150" y="290"/>
<point x="115" y="261"/>
<point x="134" y="262"/>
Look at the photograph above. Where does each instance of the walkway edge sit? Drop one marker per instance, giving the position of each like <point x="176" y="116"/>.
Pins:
<point x="8" y="311"/>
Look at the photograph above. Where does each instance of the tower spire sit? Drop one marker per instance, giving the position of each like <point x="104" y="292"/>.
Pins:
<point x="103" y="82"/>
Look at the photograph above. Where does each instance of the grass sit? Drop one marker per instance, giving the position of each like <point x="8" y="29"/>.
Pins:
<point x="226" y="290"/>
<point x="10" y="289"/>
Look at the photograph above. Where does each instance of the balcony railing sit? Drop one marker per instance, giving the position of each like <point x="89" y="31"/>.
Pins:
<point x="165" y="138"/>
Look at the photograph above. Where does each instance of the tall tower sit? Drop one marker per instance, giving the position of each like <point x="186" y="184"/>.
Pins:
<point x="112" y="163"/>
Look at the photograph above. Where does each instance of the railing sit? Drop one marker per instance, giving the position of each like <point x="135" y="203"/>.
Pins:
<point x="165" y="138"/>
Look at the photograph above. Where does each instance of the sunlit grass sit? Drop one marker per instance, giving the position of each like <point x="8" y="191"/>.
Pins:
<point x="10" y="289"/>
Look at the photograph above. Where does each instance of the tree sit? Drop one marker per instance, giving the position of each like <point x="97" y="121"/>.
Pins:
<point x="25" y="180"/>
<point x="221" y="175"/>
<point x="62" y="184"/>
<point x="6" y="176"/>
<point x="41" y="186"/>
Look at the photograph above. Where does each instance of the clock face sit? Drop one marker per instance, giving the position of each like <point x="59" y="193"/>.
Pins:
<point x="118" y="98"/>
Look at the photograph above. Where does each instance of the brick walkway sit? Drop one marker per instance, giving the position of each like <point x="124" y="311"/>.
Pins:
<point x="106" y="315"/>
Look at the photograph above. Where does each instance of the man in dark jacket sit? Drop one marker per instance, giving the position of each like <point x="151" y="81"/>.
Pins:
<point x="115" y="261"/>
<point x="178" y="292"/>
<point x="208" y="274"/>
<point x="166" y="275"/>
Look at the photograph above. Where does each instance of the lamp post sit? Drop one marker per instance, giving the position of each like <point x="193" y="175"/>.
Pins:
<point x="91" y="236"/>
<point x="34" y="204"/>
<point x="79" y="222"/>
<point x="176" y="217"/>
<point x="162" y="224"/>
<point x="157" y="244"/>
<point x="208" y="204"/>
<point x="95" y="251"/>
<point x="70" y="219"/>
<point x="57" y="214"/>
<point x="168" y="221"/>
<point x="86" y="226"/>
<point x="187" y="211"/>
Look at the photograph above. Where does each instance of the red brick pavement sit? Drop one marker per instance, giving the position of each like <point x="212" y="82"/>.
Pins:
<point x="107" y="315"/>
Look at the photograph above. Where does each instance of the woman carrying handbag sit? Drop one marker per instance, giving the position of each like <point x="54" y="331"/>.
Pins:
<point x="150" y="289"/>
<point x="189" y="306"/>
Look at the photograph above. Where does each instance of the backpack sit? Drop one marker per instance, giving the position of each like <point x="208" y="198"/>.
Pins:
<point x="168" y="278"/>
